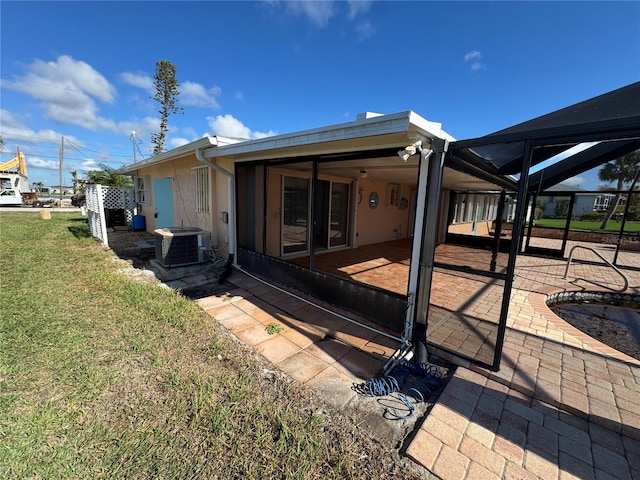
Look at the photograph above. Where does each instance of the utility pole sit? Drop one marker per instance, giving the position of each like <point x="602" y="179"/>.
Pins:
<point x="60" y="168"/>
<point x="133" y="143"/>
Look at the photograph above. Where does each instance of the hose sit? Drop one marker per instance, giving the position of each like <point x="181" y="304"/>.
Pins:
<point x="409" y="379"/>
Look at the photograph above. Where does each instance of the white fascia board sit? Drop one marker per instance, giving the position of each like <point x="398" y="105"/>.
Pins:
<point x="427" y="128"/>
<point x="403" y="122"/>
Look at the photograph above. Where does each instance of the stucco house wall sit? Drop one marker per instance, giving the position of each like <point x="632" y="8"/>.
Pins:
<point x="182" y="172"/>
<point x="184" y="194"/>
<point x="383" y="223"/>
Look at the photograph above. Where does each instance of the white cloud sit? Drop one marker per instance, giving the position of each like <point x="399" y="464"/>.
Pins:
<point x="190" y="132"/>
<point x="472" y="55"/>
<point x="575" y="181"/>
<point x="142" y="126"/>
<point x="178" y="142"/>
<point x="12" y="129"/>
<point x="196" y="95"/>
<point x="358" y="7"/>
<point x="138" y="80"/>
<point x="365" y="30"/>
<point x="36" y="162"/>
<point x="473" y="58"/>
<point x="270" y="133"/>
<point x="192" y="94"/>
<point x="229" y="126"/>
<point x="82" y="167"/>
<point x="67" y="90"/>
<point x="319" y="12"/>
<point x="239" y="96"/>
<point x="88" y="165"/>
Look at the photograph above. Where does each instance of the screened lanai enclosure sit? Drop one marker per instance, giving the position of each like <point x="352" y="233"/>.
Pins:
<point x="347" y="228"/>
<point x="558" y="146"/>
<point x="391" y="219"/>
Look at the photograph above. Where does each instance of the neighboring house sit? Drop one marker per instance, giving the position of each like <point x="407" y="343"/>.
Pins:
<point x="556" y="201"/>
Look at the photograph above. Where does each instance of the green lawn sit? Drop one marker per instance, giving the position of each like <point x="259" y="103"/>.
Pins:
<point x="612" y="226"/>
<point x="105" y="377"/>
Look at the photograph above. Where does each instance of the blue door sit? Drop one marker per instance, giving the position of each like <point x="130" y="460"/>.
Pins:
<point x="163" y="202"/>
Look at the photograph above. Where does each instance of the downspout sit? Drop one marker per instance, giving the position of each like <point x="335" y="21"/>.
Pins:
<point x="231" y="205"/>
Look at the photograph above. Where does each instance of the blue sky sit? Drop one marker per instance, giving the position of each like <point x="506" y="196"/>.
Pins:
<point x="84" y="70"/>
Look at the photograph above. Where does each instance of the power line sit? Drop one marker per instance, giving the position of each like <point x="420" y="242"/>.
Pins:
<point x="138" y="148"/>
<point x="76" y="147"/>
<point x="57" y="157"/>
<point x="36" y="140"/>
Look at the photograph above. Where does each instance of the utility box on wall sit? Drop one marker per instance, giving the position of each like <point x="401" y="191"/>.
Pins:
<point x="179" y="246"/>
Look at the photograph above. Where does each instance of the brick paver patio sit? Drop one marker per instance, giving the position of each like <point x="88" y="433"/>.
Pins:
<point x="562" y="406"/>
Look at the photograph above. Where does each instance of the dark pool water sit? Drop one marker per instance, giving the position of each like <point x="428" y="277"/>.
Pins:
<point x="616" y="325"/>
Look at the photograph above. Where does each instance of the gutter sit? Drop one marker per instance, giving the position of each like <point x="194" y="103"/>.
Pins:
<point x="231" y="203"/>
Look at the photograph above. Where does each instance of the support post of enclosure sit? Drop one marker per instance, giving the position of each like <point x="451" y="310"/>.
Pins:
<point x="429" y="241"/>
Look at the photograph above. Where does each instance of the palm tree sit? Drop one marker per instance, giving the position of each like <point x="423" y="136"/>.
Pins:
<point x="107" y="176"/>
<point x="75" y="180"/>
<point x="621" y="170"/>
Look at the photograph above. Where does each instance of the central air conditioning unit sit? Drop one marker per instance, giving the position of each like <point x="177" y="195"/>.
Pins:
<point x="178" y="246"/>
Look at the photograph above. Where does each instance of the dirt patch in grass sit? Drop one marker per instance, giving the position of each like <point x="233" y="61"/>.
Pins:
<point x="136" y="248"/>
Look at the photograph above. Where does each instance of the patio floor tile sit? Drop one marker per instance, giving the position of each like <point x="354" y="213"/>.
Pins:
<point x="302" y="366"/>
<point x="254" y="335"/>
<point x="277" y="349"/>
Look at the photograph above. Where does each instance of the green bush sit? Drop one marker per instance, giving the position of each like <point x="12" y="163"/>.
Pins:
<point x="593" y="216"/>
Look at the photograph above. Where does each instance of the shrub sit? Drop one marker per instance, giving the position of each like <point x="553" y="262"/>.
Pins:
<point x="593" y="216"/>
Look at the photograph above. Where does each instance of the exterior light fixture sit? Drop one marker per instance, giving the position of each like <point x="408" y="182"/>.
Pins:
<point x="410" y="150"/>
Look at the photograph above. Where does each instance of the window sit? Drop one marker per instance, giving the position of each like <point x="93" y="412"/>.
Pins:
<point x="468" y="207"/>
<point x="602" y="202"/>
<point x="142" y="189"/>
<point x="202" y="189"/>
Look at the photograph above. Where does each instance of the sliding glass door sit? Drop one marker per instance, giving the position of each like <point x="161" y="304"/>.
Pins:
<point x="339" y="221"/>
<point x="295" y="218"/>
<point x="331" y="213"/>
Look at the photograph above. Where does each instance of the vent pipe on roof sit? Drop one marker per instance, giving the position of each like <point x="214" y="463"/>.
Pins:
<point x="365" y="115"/>
<point x="231" y="187"/>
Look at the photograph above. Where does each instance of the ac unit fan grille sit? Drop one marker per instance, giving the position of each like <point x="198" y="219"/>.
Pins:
<point x="177" y="250"/>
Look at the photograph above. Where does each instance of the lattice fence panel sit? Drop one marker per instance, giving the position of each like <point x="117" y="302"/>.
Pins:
<point x="100" y="198"/>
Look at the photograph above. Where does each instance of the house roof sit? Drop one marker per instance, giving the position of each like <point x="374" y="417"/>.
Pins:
<point x="371" y="142"/>
<point x="563" y="187"/>
<point x="182" y="151"/>
<point x="613" y="117"/>
<point x="368" y="132"/>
